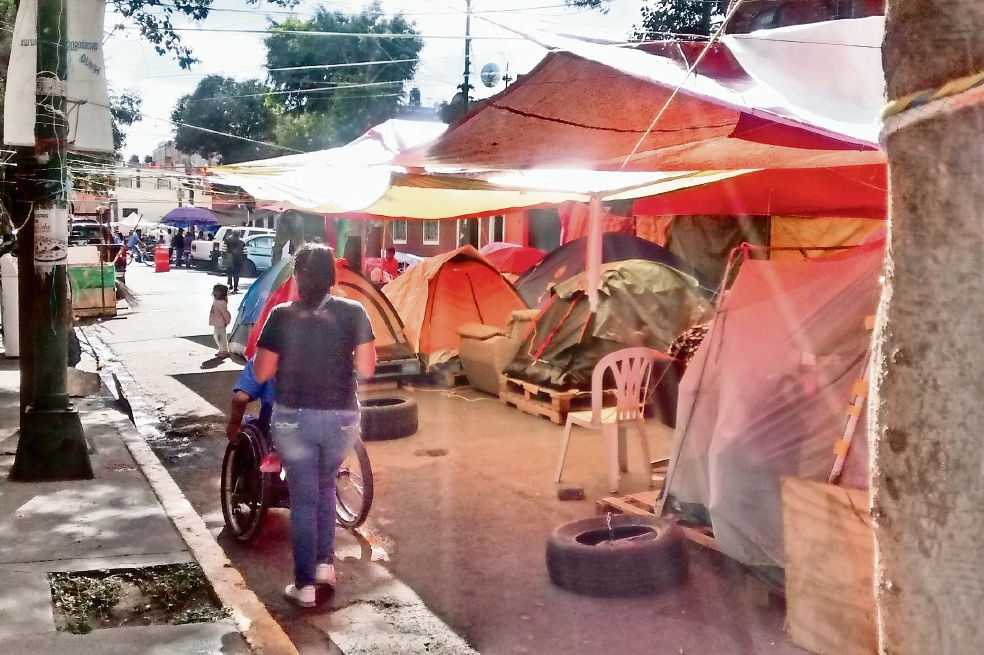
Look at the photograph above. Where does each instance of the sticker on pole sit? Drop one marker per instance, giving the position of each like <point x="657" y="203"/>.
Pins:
<point x="50" y="236"/>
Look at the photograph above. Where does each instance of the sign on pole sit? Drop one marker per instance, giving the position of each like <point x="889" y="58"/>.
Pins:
<point x="90" y="123"/>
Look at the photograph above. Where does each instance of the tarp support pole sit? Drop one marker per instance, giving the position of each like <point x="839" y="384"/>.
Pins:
<point x="593" y="259"/>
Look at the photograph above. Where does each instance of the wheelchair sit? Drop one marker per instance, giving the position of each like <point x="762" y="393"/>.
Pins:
<point x="247" y="493"/>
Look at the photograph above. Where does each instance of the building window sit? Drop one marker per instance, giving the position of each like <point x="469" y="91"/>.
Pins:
<point x="497" y="228"/>
<point x="400" y="231"/>
<point x="432" y="233"/>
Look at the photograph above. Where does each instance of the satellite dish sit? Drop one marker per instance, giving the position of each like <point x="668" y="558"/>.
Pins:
<point x="491" y="74"/>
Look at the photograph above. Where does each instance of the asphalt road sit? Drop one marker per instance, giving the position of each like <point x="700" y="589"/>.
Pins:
<point x="462" y="510"/>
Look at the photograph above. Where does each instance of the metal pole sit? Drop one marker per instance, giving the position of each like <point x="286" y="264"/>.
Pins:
<point x="466" y="87"/>
<point x="51" y="444"/>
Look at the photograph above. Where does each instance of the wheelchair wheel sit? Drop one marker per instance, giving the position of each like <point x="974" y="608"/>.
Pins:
<point x="245" y="490"/>
<point x="353" y="488"/>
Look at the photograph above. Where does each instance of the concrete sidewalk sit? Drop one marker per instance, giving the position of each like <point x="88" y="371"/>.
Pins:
<point x="115" y="521"/>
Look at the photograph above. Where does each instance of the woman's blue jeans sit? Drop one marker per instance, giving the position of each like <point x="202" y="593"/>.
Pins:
<point x="312" y="444"/>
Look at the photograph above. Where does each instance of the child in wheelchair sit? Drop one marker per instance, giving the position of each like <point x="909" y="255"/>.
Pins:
<point x="246" y="390"/>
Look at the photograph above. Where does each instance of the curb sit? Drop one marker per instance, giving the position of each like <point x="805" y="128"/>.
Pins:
<point x="260" y="630"/>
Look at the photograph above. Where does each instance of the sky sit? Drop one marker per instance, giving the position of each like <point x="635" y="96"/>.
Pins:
<point x="132" y="63"/>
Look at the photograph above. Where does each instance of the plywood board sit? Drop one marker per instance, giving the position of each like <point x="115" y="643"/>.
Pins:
<point x="830" y="555"/>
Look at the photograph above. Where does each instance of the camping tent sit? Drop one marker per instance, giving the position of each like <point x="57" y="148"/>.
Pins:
<point x="441" y="293"/>
<point x="642" y="303"/>
<point x="511" y="257"/>
<point x="253" y="302"/>
<point x="765" y="395"/>
<point x="569" y="260"/>
<point x="391" y="341"/>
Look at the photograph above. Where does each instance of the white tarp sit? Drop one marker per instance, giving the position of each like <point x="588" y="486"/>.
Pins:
<point x="89" y="117"/>
<point x="347" y="178"/>
<point x="831" y="69"/>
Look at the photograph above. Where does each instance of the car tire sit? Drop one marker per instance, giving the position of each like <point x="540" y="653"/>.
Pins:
<point x="249" y="269"/>
<point x="388" y="417"/>
<point x="646" y="556"/>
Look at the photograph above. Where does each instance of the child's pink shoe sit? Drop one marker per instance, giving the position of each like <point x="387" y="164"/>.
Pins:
<point x="270" y="464"/>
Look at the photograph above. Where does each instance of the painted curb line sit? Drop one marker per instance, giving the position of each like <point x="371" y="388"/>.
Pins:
<point x="260" y="630"/>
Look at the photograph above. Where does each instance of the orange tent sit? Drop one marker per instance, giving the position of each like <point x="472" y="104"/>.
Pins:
<point x="441" y="293"/>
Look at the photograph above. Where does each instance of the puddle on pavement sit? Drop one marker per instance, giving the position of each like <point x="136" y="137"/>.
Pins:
<point x="431" y="452"/>
<point x="170" y="594"/>
<point x="173" y="445"/>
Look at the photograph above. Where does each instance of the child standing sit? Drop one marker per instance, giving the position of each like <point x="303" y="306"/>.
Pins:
<point x="219" y="318"/>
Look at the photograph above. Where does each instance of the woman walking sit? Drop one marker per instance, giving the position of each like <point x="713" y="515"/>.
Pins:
<point x="314" y="347"/>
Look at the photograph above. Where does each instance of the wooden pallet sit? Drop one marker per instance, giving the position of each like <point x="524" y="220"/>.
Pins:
<point x="640" y="504"/>
<point x="551" y="404"/>
<point x="644" y="504"/>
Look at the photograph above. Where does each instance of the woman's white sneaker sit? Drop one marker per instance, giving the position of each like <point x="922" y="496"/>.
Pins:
<point x="303" y="596"/>
<point x="324" y="574"/>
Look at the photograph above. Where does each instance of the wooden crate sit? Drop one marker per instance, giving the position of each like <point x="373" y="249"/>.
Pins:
<point x="541" y="401"/>
<point x="829" y="552"/>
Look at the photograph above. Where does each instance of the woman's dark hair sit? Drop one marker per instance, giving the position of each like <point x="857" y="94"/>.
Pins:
<point x="314" y="270"/>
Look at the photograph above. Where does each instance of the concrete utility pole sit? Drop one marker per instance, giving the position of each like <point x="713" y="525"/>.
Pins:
<point x="928" y="407"/>
<point x="51" y="444"/>
<point x="466" y="87"/>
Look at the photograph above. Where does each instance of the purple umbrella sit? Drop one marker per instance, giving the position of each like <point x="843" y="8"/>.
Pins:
<point x="187" y="216"/>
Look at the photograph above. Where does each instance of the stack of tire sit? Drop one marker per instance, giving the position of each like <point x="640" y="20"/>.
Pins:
<point x="617" y="555"/>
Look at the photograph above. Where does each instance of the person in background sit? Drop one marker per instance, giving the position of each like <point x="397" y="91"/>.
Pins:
<point x="117" y="236"/>
<point x="390" y="265"/>
<point x="219" y="318"/>
<point x="314" y="347"/>
<point x="235" y="257"/>
<point x="188" y="238"/>
<point x="132" y="243"/>
<point x="178" y="246"/>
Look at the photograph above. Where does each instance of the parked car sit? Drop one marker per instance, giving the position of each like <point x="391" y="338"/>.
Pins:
<point x="202" y="250"/>
<point x="84" y="231"/>
<point x="259" y="254"/>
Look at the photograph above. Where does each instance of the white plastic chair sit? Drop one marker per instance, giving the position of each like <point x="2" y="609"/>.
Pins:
<point x="632" y="369"/>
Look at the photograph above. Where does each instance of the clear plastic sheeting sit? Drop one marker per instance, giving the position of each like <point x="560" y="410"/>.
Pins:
<point x="766" y="393"/>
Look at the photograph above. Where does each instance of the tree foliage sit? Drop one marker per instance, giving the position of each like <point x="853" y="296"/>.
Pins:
<point x="601" y="5"/>
<point x="227" y="107"/>
<point x="667" y="19"/>
<point x="125" y="107"/>
<point x="154" y="20"/>
<point x="309" y="74"/>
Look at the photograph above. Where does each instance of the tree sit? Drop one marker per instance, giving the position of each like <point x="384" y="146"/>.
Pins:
<point x="125" y="108"/>
<point x="600" y="5"/>
<point x="375" y="92"/>
<point x="148" y="159"/>
<point x="224" y="107"/>
<point x="927" y="415"/>
<point x="134" y="160"/>
<point x="153" y="19"/>
<point x="668" y="19"/>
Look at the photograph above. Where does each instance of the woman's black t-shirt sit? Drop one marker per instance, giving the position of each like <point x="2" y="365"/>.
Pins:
<point x="317" y="352"/>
